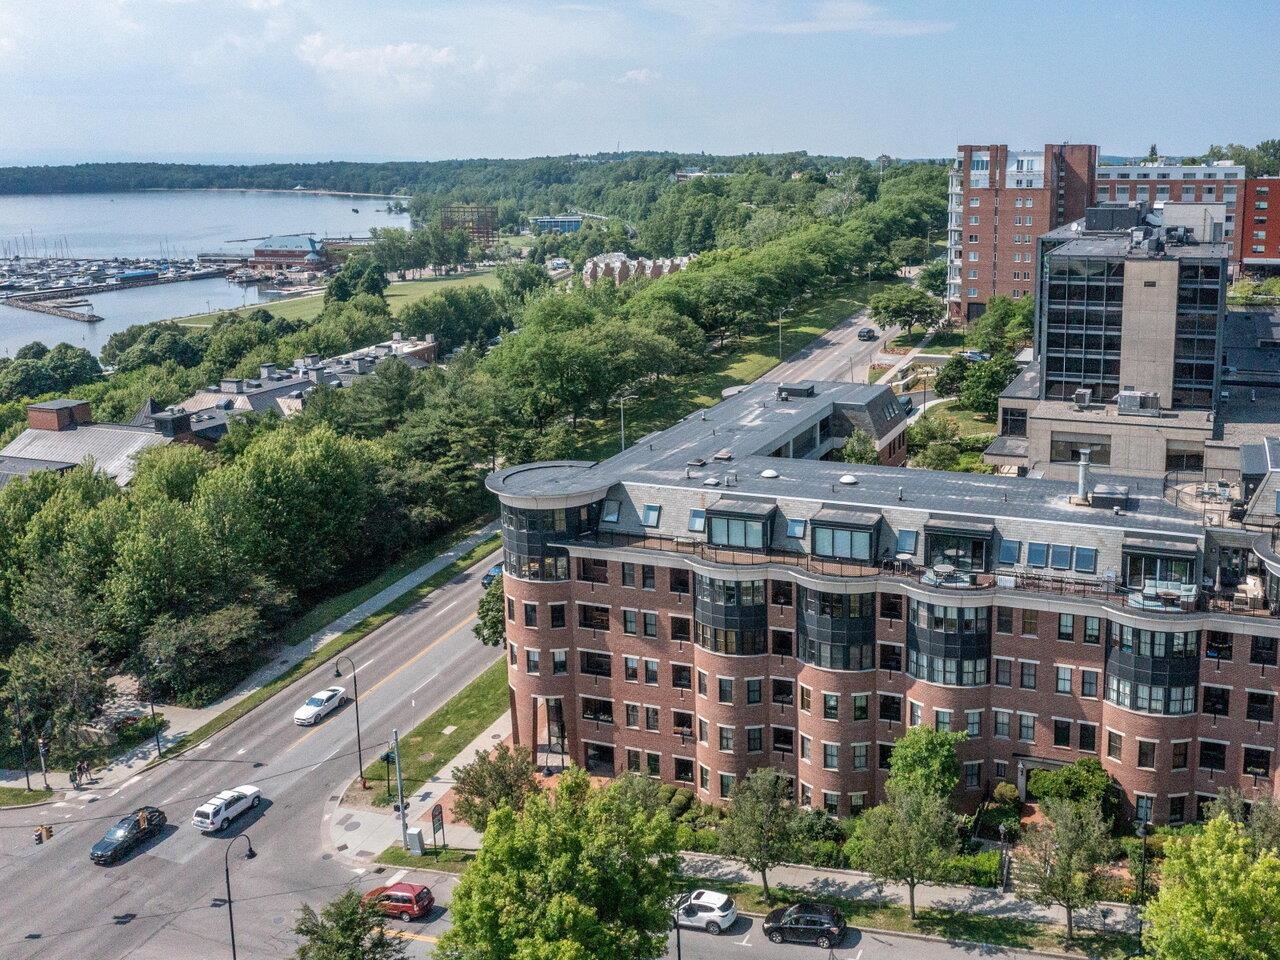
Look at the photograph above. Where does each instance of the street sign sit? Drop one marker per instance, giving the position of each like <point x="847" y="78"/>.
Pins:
<point x="437" y="824"/>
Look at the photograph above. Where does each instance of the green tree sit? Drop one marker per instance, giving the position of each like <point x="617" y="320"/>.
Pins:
<point x="1153" y="154"/>
<point x="502" y="778"/>
<point x="1084" y="781"/>
<point x="1260" y="818"/>
<point x="580" y="874"/>
<point x="950" y="378"/>
<point x="491" y="625"/>
<point x="907" y="838"/>
<point x="907" y="307"/>
<point x="762" y="824"/>
<point x="1216" y="902"/>
<point x="859" y="448"/>
<point x="60" y="691"/>
<point x="346" y="929"/>
<point x="985" y="381"/>
<point x="171" y="472"/>
<point x="932" y="278"/>
<point x="938" y="456"/>
<point x="925" y="759"/>
<point x="1063" y="858"/>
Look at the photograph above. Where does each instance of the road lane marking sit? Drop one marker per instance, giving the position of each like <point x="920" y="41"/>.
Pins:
<point x="422" y="653"/>
<point x="425" y="682"/>
<point x="745" y="941"/>
<point x="397" y="877"/>
<point x="406" y="935"/>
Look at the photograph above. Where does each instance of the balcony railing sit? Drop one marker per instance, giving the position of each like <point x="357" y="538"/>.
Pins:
<point x="1097" y="589"/>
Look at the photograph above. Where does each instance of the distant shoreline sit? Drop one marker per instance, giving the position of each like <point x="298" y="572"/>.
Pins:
<point x="404" y="198"/>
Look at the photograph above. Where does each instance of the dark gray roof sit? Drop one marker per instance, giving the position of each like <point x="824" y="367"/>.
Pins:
<point x="62" y="403"/>
<point x="1253" y="459"/>
<point x="11" y="467"/>
<point x="1008" y="447"/>
<point x="1026" y="385"/>
<point x="1117" y="245"/>
<point x="747" y="507"/>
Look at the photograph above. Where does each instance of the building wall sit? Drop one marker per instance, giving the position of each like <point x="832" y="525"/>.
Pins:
<point x="1034" y="640"/>
<point x="1259" y="224"/>
<point x="1138" y="444"/>
<point x="1194" y="184"/>
<point x="1148" y="326"/>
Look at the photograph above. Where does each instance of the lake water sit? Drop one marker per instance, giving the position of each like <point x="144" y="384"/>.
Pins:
<point x="180" y="223"/>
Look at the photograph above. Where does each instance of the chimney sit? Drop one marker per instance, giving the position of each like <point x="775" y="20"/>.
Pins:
<point x="312" y="359"/>
<point x="172" y="423"/>
<point x="59" y="415"/>
<point x="1082" y="480"/>
<point x="396" y="336"/>
<point x="268" y="371"/>
<point x="231" y="386"/>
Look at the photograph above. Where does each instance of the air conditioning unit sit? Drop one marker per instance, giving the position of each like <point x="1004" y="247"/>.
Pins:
<point x="1137" y="403"/>
<point x="1082" y="397"/>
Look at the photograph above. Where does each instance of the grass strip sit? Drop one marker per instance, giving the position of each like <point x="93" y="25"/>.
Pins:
<point x="1010" y="932"/>
<point x="336" y="646"/>
<point x="445" y="860"/>
<point x="426" y="748"/>
<point x="21" y="796"/>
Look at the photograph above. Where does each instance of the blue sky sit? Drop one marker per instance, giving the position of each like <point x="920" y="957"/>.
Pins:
<point x="252" y="80"/>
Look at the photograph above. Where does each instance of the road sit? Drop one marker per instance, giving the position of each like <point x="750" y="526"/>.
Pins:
<point x="834" y="354"/>
<point x="167" y="900"/>
<point x="745" y="942"/>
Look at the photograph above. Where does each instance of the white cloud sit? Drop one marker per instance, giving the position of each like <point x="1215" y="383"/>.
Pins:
<point x="824" y="16"/>
<point x="407" y="65"/>
<point x="640" y="76"/>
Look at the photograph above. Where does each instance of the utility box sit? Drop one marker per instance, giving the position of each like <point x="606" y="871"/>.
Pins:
<point x="416" y="845"/>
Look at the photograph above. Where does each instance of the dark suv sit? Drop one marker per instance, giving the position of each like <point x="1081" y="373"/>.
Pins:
<point x="805" y="923"/>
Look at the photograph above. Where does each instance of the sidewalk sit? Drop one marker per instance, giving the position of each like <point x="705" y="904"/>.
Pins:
<point x="862" y="886"/>
<point x="361" y="834"/>
<point x="182" y="721"/>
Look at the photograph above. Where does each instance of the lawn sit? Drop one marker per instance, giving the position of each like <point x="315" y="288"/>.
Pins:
<point x="944" y="341"/>
<point x="740" y="362"/>
<point x="399" y="295"/>
<point x="427" y="748"/>
<point x="18" y="796"/>
<point x="1009" y="932"/>
<point x="971" y="424"/>
<point x="443" y="859"/>
<point x="338" y="644"/>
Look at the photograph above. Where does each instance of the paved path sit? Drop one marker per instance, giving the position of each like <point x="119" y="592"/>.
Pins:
<point x="837" y="354"/>
<point x="851" y="883"/>
<point x="182" y="721"/>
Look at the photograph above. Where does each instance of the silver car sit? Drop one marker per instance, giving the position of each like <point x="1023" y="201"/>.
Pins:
<point x="706" y="910"/>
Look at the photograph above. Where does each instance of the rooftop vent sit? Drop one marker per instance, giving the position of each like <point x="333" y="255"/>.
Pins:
<point x="1081" y="398"/>
<point x="1136" y="403"/>
<point x="788" y="390"/>
<point x="848" y="479"/>
<point x="723" y="454"/>
<point x="769" y="473"/>
<point x="711" y="482"/>
<point x="696" y="462"/>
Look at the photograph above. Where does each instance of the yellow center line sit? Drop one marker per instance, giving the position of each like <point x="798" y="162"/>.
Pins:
<point x="406" y="935"/>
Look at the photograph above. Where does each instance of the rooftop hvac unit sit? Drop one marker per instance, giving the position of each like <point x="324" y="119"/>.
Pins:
<point x="1136" y="403"/>
<point x="1081" y="397"/>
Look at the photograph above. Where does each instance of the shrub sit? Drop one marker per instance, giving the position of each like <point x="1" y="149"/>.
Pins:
<point x="665" y="792"/>
<point x="824" y="853"/>
<point x="972" y="869"/>
<point x="680" y="802"/>
<point x="1006" y="794"/>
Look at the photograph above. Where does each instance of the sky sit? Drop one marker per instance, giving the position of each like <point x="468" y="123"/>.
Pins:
<point x="260" y="80"/>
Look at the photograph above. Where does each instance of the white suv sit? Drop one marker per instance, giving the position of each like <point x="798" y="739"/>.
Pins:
<point x="706" y="910"/>
<point x="217" y="814"/>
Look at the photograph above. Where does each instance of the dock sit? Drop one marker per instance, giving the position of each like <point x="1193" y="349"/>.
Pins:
<point x="37" y="301"/>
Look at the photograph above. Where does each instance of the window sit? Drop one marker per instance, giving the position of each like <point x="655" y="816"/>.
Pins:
<point x="726" y="739"/>
<point x="682" y="723"/>
<point x="1143" y="805"/>
<point x="1260" y="706"/>
<point x="1263" y="651"/>
<point x="559" y="662"/>
<point x="1010" y="552"/>
<point x="1089" y="683"/>
<point x="629" y="622"/>
<point x="1064" y="680"/>
<point x="907" y="541"/>
<point x="1037" y="554"/>
<point x="531" y="615"/>
<point x="1177" y="809"/>
<point x="1030" y="623"/>
<point x="679" y="580"/>
<point x="806" y="794"/>
<point x="593" y="663"/>
<point x="806" y="698"/>
<point x="830" y="756"/>
<point x="755" y="739"/>
<point x="885" y="755"/>
<point x="783" y="691"/>
<point x="780" y="642"/>
<point x="1257" y="762"/>
<point x="702" y="683"/>
<point x="646" y="577"/>
<point x="592" y="617"/>
<point x="831" y="706"/>
<point x="1213" y="755"/>
<point x="697" y="521"/>
<point x="631" y="669"/>
<point x="704" y="777"/>
<point x="973" y="723"/>
<point x="633" y="715"/>
<point x="913" y="714"/>
<point x="680" y="629"/>
<point x="683" y="770"/>
<point x="557" y="616"/>
<point x="942" y="720"/>
<point x="1062" y="733"/>
<point x="1001" y="722"/>
<point x="973" y="775"/>
<point x="703" y="730"/>
<point x="651" y="672"/>
<point x="795" y="529"/>
<point x="726" y="784"/>
<point x="753" y="690"/>
<point x="1115" y="744"/>
<point x="681" y="676"/>
<point x="511" y="610"/>
<point x="891" y="606"/>
<point x="784" y="739"/>
<point x="650" y="515"/>
<point x="780" y="593"/>
<point x="650" y="620"/>
<point x="1060" y="556"/>
<point x="1004" y="620"/>
<point x="860" y="710"/>
<point x="890" y="707"/>
<point x="1026" y="674"/>
<point x="594" y="708"/>
<point x="1092" y="628"/>
<point x="609" y="514"/>
<point x="724" y="689"/>
<point x="1217" y="645"/>
<point x="1004" y="672"/>
<point x="651" y="719"/>
<point x="890" y="656"/>
<point x="628" y="574"/>
<point x="1087" y="737"/>
<point x="736" y="532"/>
<point x="633" y="761"/>
<point x="532" y="660"/>
<point x="1027" y="727"/>
<point x="1178" y="755"/>
<point x="1146" y="755"/>
<point x="1216" y="701"/>
<point x="1066" y="627"/>
<point x="841" y="544"/>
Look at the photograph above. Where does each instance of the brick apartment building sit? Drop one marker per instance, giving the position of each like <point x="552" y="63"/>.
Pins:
<point x="999" y="200"/>
<point x="1159" y="183"/>
<point x="1258" y="226"/>
<point x="719" y="598"/>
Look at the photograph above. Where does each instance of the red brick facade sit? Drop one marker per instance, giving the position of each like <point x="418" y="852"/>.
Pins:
<point x="1028" y="641"/>
<point x="1258" y="225"/>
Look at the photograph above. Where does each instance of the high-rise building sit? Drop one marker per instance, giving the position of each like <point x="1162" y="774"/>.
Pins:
<point x="1258" y="225"/>
<point x="999" y="201"/>
<point x="1156" y="183"/>
<point x="717" y="599"/>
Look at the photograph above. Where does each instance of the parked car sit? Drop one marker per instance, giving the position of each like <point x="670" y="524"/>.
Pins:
<point x="907" y="404"/>
<point x="319" y="704"/>
<point x="706" y="910"/>
<point x="866" y="333"/>
<point x="490" y="575"/>
<point x="814" y="923"/>
<point x="139" y="826"/>
<point x="408" y="901"/>
<point x="217" y="814"/>
<point x="975" y="356"/>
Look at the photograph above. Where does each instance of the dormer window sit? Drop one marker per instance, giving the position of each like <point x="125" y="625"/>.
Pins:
<point x="697" y="520"/>
<point x="610" y="512"/>
<point x="651" y="514"/>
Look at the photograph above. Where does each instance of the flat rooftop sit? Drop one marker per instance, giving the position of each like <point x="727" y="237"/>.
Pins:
<point x="1112" y="245"/>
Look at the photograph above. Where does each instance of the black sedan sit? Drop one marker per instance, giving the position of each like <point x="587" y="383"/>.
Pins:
<point x="814" y="923"/>
<point x="138" y="827"/>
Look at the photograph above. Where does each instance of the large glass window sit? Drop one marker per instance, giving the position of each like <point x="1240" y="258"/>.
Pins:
<point x="1141" y="567"/>
<point x="737" y="532"/>
<point x="962" y="552"/>
<point x="841" y="543"/>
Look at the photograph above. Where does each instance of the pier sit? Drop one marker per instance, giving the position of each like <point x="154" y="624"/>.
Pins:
<point x="38" y="300"/>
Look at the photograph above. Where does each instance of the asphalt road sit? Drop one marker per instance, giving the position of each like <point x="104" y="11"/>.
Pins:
<point x="167" y="899"/>
<point x="837" y="354"/>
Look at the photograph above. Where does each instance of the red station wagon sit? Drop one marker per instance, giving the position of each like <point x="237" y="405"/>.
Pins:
<point x="408" y="901"/>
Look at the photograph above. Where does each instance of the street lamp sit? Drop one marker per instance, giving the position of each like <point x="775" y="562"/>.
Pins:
<point x="675" y="925"/>
<point x="781" y="312"/>
<point x="22" y="740"/>
<point x="226" y="864"/>
<point x="622" y="416"/>
<point x="355" y="695"/>
<point x="1141" y="830"/>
